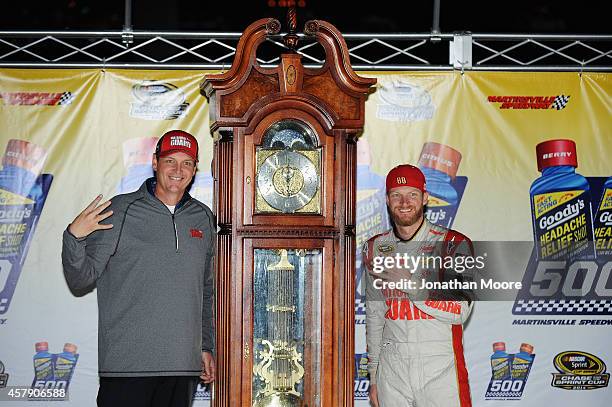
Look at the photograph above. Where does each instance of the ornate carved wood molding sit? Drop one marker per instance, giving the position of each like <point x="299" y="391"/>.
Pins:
<point x="293" y="232"/>
<point x="254" y="35"/>
<point x="335" y="89"/>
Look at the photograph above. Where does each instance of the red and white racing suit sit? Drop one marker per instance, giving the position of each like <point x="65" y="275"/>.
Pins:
<point x="415" y="348"/>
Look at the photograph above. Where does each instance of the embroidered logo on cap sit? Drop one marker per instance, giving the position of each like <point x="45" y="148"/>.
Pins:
<point x="179" y="141"/>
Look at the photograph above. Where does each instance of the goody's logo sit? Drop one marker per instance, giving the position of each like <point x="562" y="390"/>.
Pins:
<point x="362" y="378"/>
<point x="401" y="101"/>
<point x="603" y="222"/>
<point x="579" y="371"/>
<point x="156" y="100"/>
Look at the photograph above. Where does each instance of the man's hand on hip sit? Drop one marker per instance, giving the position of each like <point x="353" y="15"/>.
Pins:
<point x="89" y="220"/>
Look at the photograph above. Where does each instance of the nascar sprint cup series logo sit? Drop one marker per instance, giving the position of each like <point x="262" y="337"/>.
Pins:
<point x="400" y="101"/>
<point x="156" y="100"/>
<point x="579" y="371"/>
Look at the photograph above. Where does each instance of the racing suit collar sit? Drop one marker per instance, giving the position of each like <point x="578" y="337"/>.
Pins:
<point x="419" y="234"/>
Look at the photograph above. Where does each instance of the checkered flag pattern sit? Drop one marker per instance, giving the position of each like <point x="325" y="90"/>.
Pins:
<point x="360" y="306"/>
<point x="362" y="395"/>
<point x="552" y="307"/>
<point x="66" y="98"/>
<point x="3" y="304"/>
<point x="504" y="394"/>
<point x="560" y="102"/>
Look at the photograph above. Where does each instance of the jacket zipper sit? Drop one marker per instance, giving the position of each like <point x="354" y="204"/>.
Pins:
<point x="174" y="223"/>
<point x="176" y="239"/>
<point x="175" y="234"/>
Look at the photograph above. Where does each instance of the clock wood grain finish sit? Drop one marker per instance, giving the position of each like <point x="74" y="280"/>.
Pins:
<point x="284" y="173"/>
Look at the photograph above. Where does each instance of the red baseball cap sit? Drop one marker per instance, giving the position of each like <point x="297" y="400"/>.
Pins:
<point x="406" y="175"/>
<point x="177" y="141"/>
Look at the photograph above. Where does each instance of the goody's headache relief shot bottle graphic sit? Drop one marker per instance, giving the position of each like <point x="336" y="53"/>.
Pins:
<point x="561" y="204"/>
<point x="371" y="219"/>
<point x="43" y="362"/>
<point x="521" y="362"/>
<point x="65" y="363"/>
<point x="509" y="372"/>
<point x="53" y="371"/>
<point x="603" y="222"/>
<point x="439" y="164"/>
<point x="566" y="274"/>
<point x="23" y="191"/>
<point x="500" y="362"/>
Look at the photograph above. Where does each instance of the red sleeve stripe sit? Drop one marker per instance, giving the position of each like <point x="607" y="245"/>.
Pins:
<point x="463" y="383"/>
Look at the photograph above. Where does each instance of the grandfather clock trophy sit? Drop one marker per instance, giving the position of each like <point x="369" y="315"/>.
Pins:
<point x="284" y="169"/>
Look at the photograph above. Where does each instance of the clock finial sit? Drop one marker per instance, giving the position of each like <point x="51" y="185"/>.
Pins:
<point x="291" y="39"/>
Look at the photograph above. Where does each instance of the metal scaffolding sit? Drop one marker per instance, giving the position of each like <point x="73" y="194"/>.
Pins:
<point x="369" y="51"/>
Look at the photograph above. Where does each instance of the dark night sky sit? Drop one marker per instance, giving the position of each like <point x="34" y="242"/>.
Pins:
<point x="517" y="16"/>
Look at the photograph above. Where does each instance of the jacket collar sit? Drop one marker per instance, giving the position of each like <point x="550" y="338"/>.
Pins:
<point x="148" y="189"/>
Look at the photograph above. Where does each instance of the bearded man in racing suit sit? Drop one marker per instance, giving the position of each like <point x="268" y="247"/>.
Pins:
<point x="414" y="336"/>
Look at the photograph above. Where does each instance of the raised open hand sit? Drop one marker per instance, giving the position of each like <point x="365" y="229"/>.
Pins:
<point x="89" y="220"/>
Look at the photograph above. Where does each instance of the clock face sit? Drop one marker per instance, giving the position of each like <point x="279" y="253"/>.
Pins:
<point x="288" y="173"/>
<point x="288" y="180"/>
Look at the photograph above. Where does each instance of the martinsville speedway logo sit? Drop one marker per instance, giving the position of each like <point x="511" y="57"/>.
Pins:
<point x="37" y="98"/>
<point x="531" y="102"/>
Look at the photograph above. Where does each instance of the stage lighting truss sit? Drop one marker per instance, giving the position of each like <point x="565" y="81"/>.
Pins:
<point x="371" y="51"/>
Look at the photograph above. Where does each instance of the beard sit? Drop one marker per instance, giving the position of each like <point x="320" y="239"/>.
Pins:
<point x="409" y="219"/>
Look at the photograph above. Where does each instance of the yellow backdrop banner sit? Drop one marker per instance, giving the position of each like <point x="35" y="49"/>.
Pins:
<point x="68" y="135"/>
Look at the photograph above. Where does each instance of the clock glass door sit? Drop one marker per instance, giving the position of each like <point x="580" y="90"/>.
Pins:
<point x="286" y="327"/>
